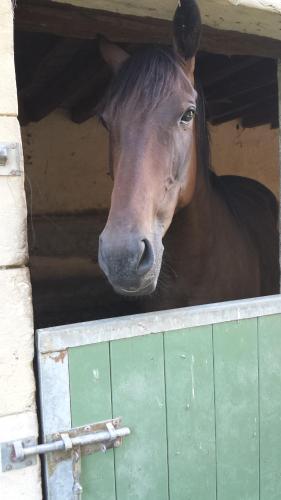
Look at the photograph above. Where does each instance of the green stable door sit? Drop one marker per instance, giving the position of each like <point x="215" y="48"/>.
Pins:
<point x="203" y="403"/>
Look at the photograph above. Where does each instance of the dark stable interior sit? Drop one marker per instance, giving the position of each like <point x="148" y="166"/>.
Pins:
<point x="59" y="67"/>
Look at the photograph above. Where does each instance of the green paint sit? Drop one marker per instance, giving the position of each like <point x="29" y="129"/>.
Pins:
<point x="269" y="329"/>
<point x="190" y="414"/>
<point x="237" y="410"/>
<point x="191" y="399"/>
<point x="90" y="390"/>
<point x="138" y="390"/>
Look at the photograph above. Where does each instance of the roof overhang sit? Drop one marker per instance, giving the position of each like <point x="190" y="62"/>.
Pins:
<point x="256" y="17"/>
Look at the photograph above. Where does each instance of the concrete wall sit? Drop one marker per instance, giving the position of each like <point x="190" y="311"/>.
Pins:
<point x="17" y="403"/>
<point x="66" y="163"/>
<point x="250" y="152"/>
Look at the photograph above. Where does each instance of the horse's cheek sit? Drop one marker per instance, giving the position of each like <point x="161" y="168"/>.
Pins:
<point x="182" y="147"/>
<point x="167" y="207"/>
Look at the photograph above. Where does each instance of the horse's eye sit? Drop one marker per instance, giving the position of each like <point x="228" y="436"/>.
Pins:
<point x="188" y="115"/>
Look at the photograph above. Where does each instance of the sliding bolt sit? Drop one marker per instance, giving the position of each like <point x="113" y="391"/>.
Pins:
<point x="3" y="156"/>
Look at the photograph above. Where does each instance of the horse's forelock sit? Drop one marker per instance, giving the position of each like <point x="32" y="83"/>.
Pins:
<point x="146" y="79"/>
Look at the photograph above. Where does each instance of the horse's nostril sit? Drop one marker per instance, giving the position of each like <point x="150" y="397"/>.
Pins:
<point x="146" y="260"/>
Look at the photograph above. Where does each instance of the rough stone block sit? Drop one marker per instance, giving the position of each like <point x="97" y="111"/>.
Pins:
<point x="8" y="90"/>
<point x="16" y="340"/>
<point x="13" y="238"/>
<point x="24" y="484"/>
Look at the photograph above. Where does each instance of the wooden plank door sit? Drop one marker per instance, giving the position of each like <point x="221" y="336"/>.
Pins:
<point x="203" y="405"/>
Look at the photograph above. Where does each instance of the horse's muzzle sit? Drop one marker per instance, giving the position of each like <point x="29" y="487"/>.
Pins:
<point x="130" y="264"/>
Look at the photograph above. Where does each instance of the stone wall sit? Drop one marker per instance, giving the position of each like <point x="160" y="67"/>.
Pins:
<point x="18" y="417"/>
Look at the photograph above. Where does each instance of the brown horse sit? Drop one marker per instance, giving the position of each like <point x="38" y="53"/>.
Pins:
<point x="218" y="234"/>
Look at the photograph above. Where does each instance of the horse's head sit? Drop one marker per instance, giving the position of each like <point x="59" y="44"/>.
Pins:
<point x="149" y="113"/>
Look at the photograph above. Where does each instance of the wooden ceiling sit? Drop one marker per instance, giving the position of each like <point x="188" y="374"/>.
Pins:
<point x="58" y="64"/>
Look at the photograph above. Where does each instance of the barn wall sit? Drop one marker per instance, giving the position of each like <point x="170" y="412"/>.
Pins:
<point x="248" y="152"/>
<point x="66" y="163"/>
<point x="17" y="404"/>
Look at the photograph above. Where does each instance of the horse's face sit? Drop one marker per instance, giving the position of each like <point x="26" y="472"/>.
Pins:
<point x="149" y="114"/>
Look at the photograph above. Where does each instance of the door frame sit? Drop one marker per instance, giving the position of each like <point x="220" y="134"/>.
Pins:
<point x="52" y="350"/>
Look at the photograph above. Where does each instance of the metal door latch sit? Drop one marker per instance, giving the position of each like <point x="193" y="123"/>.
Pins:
<point x="3" y="155"/>
<point x="76" y="472"/>
<point x="65" y="445"/>
<point x="10" y="159"/>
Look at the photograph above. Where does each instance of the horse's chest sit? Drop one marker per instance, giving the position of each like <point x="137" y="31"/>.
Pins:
<point x="226" y="270"/>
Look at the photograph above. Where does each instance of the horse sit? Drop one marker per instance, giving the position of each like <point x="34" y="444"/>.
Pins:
<point x="177" y="234"/>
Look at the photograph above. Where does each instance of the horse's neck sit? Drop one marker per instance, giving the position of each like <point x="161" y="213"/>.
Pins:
<point x="197" y="218"/>
<point x="190" y="240"/>
<point x="195" y="227"/>
<point x="198" y="212"/>
<point x="188" y="247"/>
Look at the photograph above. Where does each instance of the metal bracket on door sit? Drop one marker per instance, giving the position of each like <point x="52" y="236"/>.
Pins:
<point x="62" y="446"/>
<point x="10" y="164"/>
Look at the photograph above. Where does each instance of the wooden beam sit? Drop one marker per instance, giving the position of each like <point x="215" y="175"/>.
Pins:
<point x="257" y="117"/>
<point x="47" y="91"/>
<point x="259" y="76"/>
<point x="29" y="55"/>
<point x="69" y="21"/>
<point x="76" y="22"/>
<point x="242" y="109"/>
<point x="59" y="80"/>
<point x="85" y="80"/>
<point x="52" y="65"/>
<point x="233" y="42"/>
<point x="86" y="108"/>
<point x="233" y="67"/>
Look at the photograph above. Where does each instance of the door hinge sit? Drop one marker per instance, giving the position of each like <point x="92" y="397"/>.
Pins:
<point x="64" y="445"/>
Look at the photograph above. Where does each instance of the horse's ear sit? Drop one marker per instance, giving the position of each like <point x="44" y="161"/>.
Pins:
<point x="187" y="28"/>
<point x="113" y="55"/>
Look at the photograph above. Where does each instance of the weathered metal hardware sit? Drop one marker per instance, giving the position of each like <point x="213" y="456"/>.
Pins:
<point x="76" y="472"/>
<point x="3" y="156"/>
<point x="61" y="446"/>
<point x="10" y="159"/>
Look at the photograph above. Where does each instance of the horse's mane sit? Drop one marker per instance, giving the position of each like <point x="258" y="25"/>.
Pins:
<point x="149" y="77"/>
<point x="202" y="133"/>
<point x="149" y="74"/>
